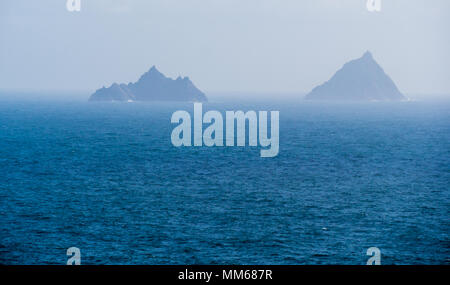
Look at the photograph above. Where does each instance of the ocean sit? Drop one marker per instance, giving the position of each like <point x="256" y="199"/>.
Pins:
<point x="104" y="177"/>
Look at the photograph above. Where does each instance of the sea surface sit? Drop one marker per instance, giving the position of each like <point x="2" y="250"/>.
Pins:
<point x="104" y="177"/>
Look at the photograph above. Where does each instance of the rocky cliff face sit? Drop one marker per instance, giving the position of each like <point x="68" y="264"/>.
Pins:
<point x="152" y="86"/>
<point x="358" y="80"/>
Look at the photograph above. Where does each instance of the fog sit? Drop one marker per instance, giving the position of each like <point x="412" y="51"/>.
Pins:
<point x="252" y="47"/>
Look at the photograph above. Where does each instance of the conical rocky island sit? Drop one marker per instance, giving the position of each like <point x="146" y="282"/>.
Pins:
<point x="152" y="86"/>
<point x="361" y="79"/>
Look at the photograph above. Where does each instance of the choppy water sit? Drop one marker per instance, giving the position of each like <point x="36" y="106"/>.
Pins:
<point x="105" y="178"/>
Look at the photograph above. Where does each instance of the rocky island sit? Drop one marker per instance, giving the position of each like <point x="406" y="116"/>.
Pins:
<point x="152" y="86"/>
<point x="361" y="79"/>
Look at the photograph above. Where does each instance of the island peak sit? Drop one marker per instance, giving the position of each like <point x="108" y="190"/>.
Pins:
<point x="360" y="79"/>
<point x="151" y="86"/>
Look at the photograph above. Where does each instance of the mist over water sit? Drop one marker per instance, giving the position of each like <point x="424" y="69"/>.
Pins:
<point x="104" y="177"/>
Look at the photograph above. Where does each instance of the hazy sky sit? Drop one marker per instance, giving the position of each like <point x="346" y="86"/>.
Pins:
<point x="222" y="45"/>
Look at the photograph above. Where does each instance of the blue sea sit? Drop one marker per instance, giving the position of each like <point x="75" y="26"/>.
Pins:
<point x="104" y="177"/>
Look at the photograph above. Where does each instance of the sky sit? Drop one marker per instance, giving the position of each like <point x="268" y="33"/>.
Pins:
<point x="267" y="46"/>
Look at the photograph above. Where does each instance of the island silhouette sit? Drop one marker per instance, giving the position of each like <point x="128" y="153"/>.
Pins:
<point x="151" y="86"/>
<point x="361" y="79"/>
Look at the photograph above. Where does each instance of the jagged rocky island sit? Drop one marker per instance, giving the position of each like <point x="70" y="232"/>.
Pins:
<point x="361" y="79"/>
<point x="152" y="86"/>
